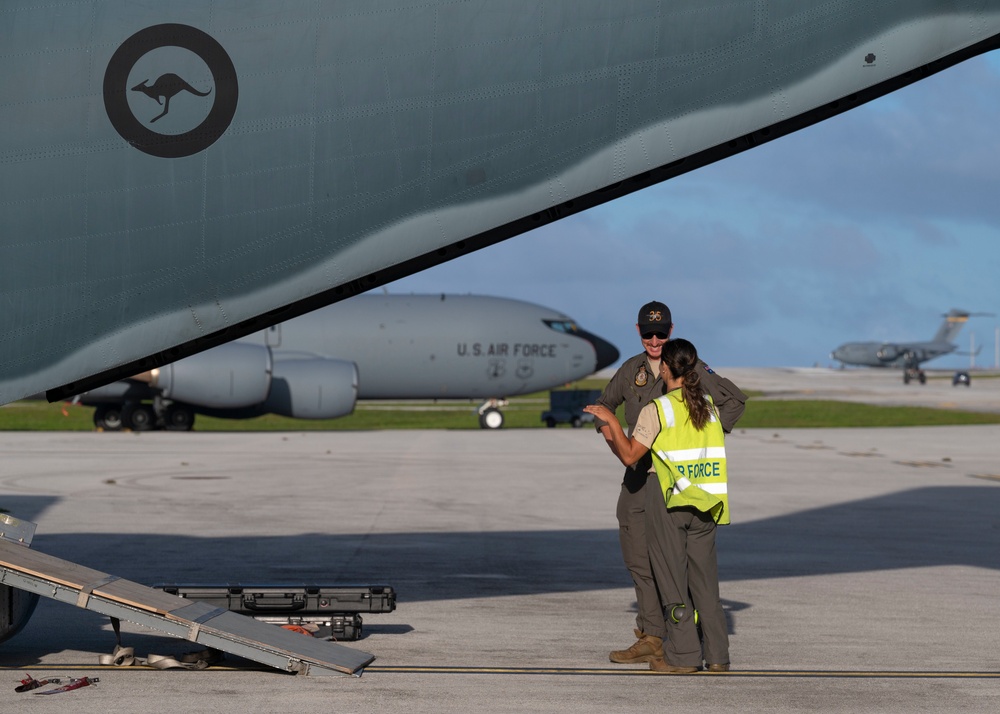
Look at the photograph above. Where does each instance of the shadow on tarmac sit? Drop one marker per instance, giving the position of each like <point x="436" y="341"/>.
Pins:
<point x="918" y="528"/>
<point x="922" y="527"/>
<point x="26" y="508"/>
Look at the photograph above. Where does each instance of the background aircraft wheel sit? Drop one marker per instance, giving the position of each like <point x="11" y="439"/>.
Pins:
<point x="922" y="377"/>
<point x="491" y="419"/>
<point x="178" y="418"/>
<point x="576" y="422"/>
<point x="906" y="378"/>
<point x="108" y="418"/>
<point x="138" y="417"/>
<point x="550" y="423"/>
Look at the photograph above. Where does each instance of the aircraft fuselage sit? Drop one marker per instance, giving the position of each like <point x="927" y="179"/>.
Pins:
<point x="318" y="365"/>
<point x="441" y="346"/>
<point x="886" y="354"/>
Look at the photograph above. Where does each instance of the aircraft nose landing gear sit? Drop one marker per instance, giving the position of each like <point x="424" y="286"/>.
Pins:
<point x="490" y="416"/>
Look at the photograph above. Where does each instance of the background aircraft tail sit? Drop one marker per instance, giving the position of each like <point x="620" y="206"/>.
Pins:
<point x="952" y="325"/>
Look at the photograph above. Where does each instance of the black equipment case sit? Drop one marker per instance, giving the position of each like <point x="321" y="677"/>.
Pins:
<point x="334" y="609"/>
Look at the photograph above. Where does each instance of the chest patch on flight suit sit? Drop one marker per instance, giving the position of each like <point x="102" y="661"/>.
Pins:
<point x="642" y="376"/>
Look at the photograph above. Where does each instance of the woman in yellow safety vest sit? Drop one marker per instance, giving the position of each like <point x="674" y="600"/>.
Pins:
<point x="682" y="430"/>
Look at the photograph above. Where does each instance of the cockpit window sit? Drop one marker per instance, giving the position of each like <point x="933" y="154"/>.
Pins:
<point x="562" y="326"/>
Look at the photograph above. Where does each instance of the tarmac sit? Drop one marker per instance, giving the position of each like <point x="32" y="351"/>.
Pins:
<point x="883" y="387"/>
<point x="860" y="573"/>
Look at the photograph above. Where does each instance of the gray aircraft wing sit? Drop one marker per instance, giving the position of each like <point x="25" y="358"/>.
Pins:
<point x="176" y="175"/>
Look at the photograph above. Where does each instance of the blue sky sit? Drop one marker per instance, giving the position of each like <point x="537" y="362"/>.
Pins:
<point x="867" y="226"/>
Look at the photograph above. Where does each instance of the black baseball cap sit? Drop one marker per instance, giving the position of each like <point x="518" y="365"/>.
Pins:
<point x="654" y="317"/>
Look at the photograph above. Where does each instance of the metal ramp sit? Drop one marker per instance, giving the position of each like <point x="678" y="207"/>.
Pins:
<point x="215" y="627"/>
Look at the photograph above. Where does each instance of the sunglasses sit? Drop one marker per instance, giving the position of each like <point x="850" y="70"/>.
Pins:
<point x="651" y="335"/>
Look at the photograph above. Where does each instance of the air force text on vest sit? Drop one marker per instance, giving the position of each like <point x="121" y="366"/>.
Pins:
<point x="699" y="469"/>
<point x="504" y="349"/>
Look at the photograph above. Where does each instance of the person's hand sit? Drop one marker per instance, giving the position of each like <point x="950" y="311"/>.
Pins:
<point x="600" y="411"/>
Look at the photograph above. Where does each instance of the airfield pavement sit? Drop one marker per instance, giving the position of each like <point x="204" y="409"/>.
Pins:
<point x="873" y="386"/>
<point x="861" y="572"/>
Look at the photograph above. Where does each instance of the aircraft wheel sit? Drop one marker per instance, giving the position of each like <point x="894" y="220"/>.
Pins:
<point x="178" y="418"/>
<point x="138" y="417"/>
<point x="16" y="606"/>
<point x="576" y="422"/>
<point x="906" y="377"/>
<point x="491" y="419"/>
<point x="108" y="417"/>
<point x="922" y="377"/>
<point x="550" y="423"/>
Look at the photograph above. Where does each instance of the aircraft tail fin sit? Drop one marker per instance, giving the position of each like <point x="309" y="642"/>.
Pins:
<point x="952" y="325"/>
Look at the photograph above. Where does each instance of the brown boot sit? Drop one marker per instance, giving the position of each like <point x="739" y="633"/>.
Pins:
<point x="646" y="649"/>
<point x="661" y="665"/>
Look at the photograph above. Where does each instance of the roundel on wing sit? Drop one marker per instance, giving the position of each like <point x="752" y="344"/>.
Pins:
<point x="170" y="90"/>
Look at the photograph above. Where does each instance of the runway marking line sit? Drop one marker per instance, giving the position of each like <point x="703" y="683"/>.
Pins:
<point x="557" y="671"/>
<point x="613" y="672"/>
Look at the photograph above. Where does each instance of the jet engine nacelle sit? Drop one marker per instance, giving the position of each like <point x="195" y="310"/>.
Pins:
<point x="313" y="388"/>
<point x="887" y="353"/>
<point x="230" y="376"/>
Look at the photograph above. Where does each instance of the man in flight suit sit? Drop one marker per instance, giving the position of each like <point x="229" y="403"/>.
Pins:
<point x="636" y="383"/>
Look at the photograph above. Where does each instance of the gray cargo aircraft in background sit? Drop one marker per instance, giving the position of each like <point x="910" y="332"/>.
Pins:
<point x="907" y="356"/>
<point x="174" y="176"/>
<point x="370" y="347"/>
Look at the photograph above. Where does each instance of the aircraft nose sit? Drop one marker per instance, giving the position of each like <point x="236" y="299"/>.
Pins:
<point x="607" y="353"/>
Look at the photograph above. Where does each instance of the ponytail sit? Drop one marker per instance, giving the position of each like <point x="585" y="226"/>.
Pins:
<point x="681" y="358"/>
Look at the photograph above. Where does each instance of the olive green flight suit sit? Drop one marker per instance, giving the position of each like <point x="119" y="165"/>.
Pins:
<point x="635" y="384"/>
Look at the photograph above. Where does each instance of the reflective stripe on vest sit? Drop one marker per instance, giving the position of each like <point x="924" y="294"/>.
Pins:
<point x="690" y="464"/>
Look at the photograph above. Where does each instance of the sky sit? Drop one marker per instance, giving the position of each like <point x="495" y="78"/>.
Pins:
<point x="865" y="227"/>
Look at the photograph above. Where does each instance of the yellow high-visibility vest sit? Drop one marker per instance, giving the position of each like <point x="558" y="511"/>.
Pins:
<point x="690" y="464"/>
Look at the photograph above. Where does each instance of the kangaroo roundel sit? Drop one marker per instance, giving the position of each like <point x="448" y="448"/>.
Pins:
<point x="170" y="90"/>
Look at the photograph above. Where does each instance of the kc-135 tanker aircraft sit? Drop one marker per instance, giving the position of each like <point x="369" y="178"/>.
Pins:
<point x="370" y="347"/>
<point x="174" y="176"/>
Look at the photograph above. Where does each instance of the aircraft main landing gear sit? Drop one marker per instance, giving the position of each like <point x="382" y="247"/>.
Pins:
<point x="178" y="417"/>
<point x="917" y="374"/>
<point x="108" y="417"/>
<point x="138" y="416"/>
